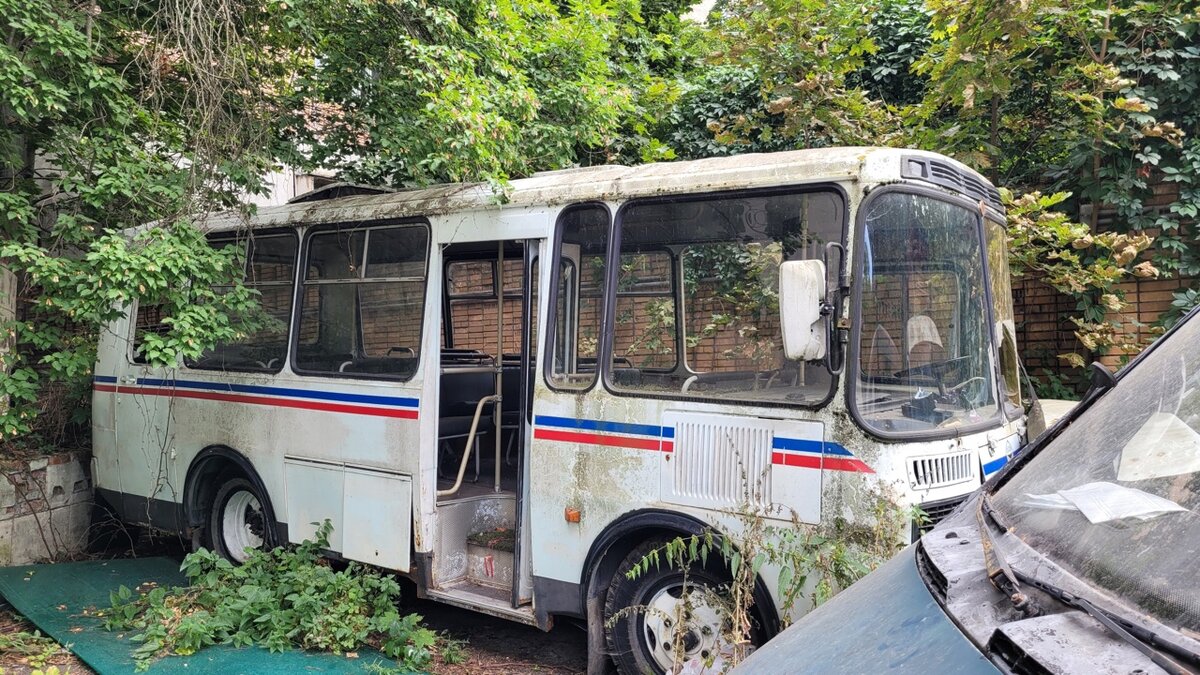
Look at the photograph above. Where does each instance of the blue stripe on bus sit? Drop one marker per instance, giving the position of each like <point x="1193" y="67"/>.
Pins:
<point x="995" y="465"/>
<point x="109" y="379"/>
<point x="805" y="445"/>
<point x="398" y="401"/>
<point x="601" y="425"/>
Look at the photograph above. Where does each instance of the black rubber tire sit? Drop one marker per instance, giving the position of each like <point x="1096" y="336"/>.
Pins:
<point x="232" y="486"/>
<point x="625" y="636"/>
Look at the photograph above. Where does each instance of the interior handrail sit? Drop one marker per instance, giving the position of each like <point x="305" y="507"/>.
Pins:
<point x="462" y="465"/>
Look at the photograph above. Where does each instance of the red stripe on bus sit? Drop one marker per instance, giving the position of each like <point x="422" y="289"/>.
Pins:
<point x="263" y="400"/>
<point x="597" y="439"/>
<point x="844" y="464"/>
<point x="792" y="459"/>
<point x="809" y="461"/>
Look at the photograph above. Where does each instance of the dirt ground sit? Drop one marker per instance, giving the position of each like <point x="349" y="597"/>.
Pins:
<point x="498" y="646"/>
<point x="22" y="652"/>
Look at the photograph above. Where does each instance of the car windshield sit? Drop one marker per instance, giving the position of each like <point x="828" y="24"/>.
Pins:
<point x="1112" y="500"/>
<point x="925" y="361"/>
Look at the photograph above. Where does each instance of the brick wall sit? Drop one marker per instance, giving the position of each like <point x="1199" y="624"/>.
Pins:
<point x="474" y="318"/>
<point x="1042" y="314"/>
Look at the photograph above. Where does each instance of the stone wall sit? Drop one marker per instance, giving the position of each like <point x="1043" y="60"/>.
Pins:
<point x="45" y="508"/>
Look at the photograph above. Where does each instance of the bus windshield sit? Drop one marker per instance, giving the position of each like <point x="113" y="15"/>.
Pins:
<point x="924" y="354"/>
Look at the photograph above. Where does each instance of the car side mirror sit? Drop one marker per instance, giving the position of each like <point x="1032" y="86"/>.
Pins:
<point x="801" y="301"/>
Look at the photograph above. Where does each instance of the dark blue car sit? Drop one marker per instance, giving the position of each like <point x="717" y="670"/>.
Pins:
<point x="1083" y="556"/>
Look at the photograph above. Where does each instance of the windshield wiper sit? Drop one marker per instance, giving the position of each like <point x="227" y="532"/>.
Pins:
<point x="998" y="570"/>
<point x="1008" y="581"/>
<point x="1145" y="640"/>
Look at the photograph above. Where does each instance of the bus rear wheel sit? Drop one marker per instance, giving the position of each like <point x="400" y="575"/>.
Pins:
<point x="664" y="616"/>
<point x="238" y="522"/>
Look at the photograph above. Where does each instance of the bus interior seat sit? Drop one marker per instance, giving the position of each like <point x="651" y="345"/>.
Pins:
<point x="460" y="394"/>
<point x="882" y="357"/>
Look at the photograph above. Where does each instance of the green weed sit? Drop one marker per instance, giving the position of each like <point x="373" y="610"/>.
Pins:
<point x="279" y="600"/>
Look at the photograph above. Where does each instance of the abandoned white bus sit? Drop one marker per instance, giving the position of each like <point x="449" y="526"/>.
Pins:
<point x="510" y="403"/>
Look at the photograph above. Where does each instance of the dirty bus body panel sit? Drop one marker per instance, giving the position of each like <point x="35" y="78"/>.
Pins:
<point x="503" y="402"/>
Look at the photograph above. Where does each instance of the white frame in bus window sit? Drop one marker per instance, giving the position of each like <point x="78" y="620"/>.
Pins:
<point x="248" y="241"/>
<point x="553" y="379"/>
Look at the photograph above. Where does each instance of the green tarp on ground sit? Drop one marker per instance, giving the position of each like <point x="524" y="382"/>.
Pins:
<point x="54" y="598"/>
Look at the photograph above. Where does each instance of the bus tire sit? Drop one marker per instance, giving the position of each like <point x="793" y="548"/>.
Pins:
<point x="237" y="520"/>
<point x="641" y="615"/>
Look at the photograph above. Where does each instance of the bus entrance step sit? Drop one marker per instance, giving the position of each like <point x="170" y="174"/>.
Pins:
<point x="489" y="566"/>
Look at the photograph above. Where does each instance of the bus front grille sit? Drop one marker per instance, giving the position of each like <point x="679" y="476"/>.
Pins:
<point x="941" y="470"/>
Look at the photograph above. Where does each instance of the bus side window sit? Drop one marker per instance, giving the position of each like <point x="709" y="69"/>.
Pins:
<point x="149" y="320"/>
<point x="697" y="295"/>
<point x="574" y="340"/>
<point x="269" y="272"/>
<point x="363" y="302"/>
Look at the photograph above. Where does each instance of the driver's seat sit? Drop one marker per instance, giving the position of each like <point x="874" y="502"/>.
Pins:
<point x="924" y="342"/>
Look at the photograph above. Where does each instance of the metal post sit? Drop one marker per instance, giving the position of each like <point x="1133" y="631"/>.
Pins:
<point x="498" y="409"/>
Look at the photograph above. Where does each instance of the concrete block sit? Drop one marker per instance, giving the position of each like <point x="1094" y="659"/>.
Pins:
<point x="8" y="498"/>
<point x="56" y="534"/>
<point x="45" y="510"/>
<point x="5" y="543"/>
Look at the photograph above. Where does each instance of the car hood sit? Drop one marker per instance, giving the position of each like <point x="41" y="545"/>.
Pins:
<point x="887" y="622"/>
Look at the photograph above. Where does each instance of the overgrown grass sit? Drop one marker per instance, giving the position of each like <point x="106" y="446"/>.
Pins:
<point x="279" y="600"/>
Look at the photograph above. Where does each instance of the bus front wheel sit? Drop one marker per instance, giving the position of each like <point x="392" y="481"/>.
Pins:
<point x="238" y="522"/>
<point x="664" y="616"/>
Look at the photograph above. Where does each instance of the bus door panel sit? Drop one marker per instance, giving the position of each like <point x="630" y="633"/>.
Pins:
<point x="370" y="510"/>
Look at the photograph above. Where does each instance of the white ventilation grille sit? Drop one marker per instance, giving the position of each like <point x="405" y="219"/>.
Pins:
<point x="715" y="464"/>
<point x="935" y="472"/>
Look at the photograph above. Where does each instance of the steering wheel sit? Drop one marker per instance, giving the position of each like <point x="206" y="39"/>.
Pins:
<point x="970" y="398"/>
<point x="411" y="352"/>
<point x="936" y="369"/>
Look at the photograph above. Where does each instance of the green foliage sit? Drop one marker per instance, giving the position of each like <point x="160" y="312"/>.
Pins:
<point x="161" y="112"/>
<point x="1182" y="302"/>
<point x="452" y="651"/>
<point x="901" y="33"/>
<point x="68" y="94"/>
<point x="1079" y="263"/>
<point x="279" y="600"/>
<point x="810" y="563"/>
<point x="32" y="648"/>
<point x="798" y="55"/>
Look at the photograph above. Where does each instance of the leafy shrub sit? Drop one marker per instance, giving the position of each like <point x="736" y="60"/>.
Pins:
<point x="811" y="564"/>
<point x="279" y="599"/>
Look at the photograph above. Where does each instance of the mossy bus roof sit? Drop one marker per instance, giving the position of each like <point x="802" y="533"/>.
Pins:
<point x="611" y="182"/>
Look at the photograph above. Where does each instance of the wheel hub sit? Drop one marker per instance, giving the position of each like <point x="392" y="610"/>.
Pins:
<point x="691" y="622"/>
<point x="242" y="525"/>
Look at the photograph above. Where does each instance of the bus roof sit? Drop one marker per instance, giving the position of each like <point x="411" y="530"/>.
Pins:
<point x="597" y="183"/>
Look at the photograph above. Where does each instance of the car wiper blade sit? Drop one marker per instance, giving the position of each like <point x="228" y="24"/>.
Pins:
<point x="999" y="572"/>
<point x="1145" y="640"/>
<point x="1008" y="580"/>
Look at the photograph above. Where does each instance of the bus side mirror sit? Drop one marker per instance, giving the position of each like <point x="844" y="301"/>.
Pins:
<point x="801" y="300"/>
